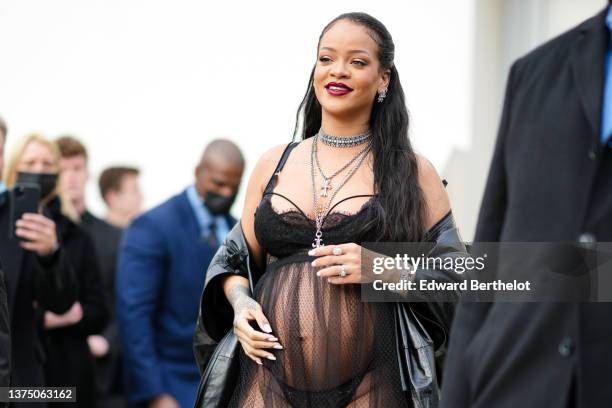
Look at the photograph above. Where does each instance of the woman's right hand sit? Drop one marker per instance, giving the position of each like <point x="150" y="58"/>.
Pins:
<point x="254" y="342"/>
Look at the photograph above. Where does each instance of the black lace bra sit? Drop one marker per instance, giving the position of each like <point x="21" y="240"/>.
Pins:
<point x="282" y="233"/>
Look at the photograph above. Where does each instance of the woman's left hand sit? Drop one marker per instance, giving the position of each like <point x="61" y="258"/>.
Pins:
<point x="334" y="259"/>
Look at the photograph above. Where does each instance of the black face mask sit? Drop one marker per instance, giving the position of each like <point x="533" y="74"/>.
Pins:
<point x="218" y="203"/>
<point x="46" y="181"/>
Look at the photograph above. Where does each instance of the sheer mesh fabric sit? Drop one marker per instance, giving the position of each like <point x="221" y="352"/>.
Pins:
<point x="338" y="351"/>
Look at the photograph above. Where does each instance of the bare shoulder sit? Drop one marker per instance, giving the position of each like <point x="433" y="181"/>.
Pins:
<point x="273" y="154"/>
<point x="434" y="192"/>
<point x="266" y="164"/>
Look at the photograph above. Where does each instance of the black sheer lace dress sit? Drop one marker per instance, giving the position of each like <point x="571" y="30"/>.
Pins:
<point x="338" y="351"/>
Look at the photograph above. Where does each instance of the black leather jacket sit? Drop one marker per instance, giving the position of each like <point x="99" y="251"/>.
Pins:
<point x="422" y="328"/>
<point x="232" y="258"/>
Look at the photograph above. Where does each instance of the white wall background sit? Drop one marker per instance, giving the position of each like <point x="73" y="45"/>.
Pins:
<point x="149" y="83"/>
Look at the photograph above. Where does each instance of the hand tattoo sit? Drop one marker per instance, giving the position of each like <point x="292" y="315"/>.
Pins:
<point x="239" y="297"/>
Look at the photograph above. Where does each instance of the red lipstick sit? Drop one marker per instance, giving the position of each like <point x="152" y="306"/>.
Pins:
<point x="338" y="89"/>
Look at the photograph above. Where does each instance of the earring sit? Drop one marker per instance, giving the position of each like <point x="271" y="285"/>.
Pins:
<point x="381" y="95"/>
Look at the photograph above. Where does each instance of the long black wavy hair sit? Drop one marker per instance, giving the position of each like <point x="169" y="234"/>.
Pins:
<point x="399" y="211"/>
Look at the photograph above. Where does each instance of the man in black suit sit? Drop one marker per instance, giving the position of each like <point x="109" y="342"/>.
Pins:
<point x="549" y="180"/>
<point x="105" y="347"/>
<point x="37" y="279"/>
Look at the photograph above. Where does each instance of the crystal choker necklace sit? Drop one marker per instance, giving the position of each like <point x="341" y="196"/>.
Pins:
<point x="344" y="141"/>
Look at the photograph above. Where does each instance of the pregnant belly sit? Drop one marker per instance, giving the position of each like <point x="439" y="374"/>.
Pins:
<point x="326" y="331"/>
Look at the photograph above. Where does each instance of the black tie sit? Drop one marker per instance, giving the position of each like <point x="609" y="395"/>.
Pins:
<point x="212" y="236"/>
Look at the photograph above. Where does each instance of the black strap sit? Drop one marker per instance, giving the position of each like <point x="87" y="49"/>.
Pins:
<point x="280" y="165"/>
<point x="344" y="199"/>
<point x="291" y="201"/>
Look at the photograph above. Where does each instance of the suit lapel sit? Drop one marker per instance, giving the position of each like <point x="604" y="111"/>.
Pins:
<point x="587" y="61"/>
<point x="189" y="214"/>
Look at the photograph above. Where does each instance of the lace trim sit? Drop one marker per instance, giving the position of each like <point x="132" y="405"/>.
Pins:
<point x="333" y="218"/>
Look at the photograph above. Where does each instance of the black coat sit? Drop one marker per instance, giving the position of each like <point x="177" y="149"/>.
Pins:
<point x="69" y="361"/>
<point x="106" y="239"/>
<point x="549" y="181"/>
<point x="49" y="282"/>
<point x="5" y="337"/>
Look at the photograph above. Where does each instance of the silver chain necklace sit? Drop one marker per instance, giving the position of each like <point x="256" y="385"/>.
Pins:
<point x="327" y="180"/>
<point x="320" y="213"/>
<point x="344" y="141"/>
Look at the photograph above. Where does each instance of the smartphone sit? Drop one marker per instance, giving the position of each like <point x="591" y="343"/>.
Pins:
<point x="24" y="198"/>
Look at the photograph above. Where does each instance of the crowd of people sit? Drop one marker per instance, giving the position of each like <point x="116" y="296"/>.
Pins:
<point x="106" y="305"/>
<point x="184" y="305"/>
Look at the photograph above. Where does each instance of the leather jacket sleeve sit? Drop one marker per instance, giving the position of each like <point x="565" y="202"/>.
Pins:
<point x="445" y="242"/>
<point x="216" y="315"/>
<point x="423" y="327"/>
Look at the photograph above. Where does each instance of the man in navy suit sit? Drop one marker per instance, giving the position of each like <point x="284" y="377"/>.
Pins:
<point x="161" y="270"/>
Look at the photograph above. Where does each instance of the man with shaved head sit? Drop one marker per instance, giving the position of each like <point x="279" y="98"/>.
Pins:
<point x="161" y="271"/>
<point x="218" y="175"/>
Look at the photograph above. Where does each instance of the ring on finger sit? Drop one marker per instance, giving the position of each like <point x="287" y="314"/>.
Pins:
<point x="342" y="271"/>
<point x="337" y="251"/>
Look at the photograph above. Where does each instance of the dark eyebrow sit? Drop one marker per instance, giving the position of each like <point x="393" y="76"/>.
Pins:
<point x="350" y="52"/>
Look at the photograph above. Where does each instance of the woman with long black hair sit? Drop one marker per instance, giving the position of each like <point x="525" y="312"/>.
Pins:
<point x="307" y="338"/>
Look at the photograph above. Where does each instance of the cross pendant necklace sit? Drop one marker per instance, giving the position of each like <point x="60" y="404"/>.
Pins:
<point x="326" y="186"/>
<point x="321" y="209"/>
<point x="318" y="242"/>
